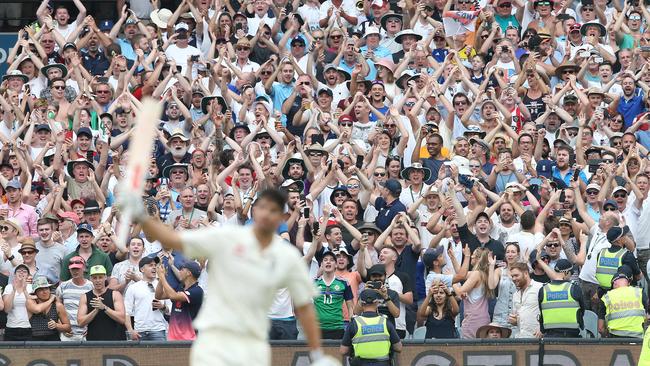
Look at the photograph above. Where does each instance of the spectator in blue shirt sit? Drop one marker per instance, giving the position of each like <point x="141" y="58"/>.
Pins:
<point x="388" y="204"/>
<point x="630" y="104"/>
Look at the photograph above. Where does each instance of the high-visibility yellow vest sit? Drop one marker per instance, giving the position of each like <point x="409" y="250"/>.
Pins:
<point x="644" y="358"/>
<point x="624" y="311"/>
<point x="372" y="340"/>
<point x="559" y="309"/>
<point x="607" y="266"/>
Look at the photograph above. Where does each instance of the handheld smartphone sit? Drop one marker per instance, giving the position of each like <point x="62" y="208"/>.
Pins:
<point x="359" y="162"/>
<point x="305" y="212"/>
<point x="315" y="227"/>
<point x="102" y="79"/>
<point x="584" y="54"/>
<point x="598" y="60"/>
<point x="562" y="197"/>
<point x="558" y="213"/>
<point x="576" y="174"/>
<point x="194" y="58"/>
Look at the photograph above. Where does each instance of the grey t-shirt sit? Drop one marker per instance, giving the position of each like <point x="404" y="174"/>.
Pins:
<point x="70" y="293"/>
<point x="49" y="259"/>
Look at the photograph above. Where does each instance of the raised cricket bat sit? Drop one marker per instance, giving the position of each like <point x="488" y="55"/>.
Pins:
<point x="140" y="148"/>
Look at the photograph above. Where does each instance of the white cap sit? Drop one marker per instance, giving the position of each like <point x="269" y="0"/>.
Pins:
<point x="180" y="26"/>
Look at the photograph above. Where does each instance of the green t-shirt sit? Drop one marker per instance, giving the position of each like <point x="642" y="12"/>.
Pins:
<point x="626" y="42"/>
<point x="329" y="302"/>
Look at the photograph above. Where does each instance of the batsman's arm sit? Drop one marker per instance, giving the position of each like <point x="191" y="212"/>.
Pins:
<point x="307" y="317"/>
<point x="167" y="237"/>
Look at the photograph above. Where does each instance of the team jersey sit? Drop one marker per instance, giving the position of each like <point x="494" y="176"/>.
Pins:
<point x="183" y="313"/>
<point x="329" y="302"/>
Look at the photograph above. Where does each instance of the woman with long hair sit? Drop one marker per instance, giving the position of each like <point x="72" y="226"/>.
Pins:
<point x="500" y="278"/>
<point x="385" y="68"/>
<point x="475" y="293"/>
<point x="439" y="311"/>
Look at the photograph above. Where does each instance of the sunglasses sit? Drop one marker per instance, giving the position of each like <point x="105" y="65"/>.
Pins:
<point x="4" y="228"/>
<point x="315" y="154"/>
<point x="592" y="192"/>
<point x="58" y="87"/>
<point x="462" y="102"/>
<point x="390" y="125"/>
<point x="353" y="186"/>
<point x="620" y="195"/>
<point x="346" y="124"/>
<point x="608" y="161"/>
<point x="552" y="245"/>
<point x="609" y="208"/>
<point x="568" y="72"/>
<point x="318" y="38"/>
<point x="298" y="45"/>
<point x="102" y="91"/>
<point x="474" y="166"/>
<point x="178" y="172"/>
<point x="30" y="252"/>
<point x="505" y="5"/>
<point x="409" y="104"/>
<point x="586" y="9"/>
<point x="266" y="72"/>
<point x="304" y="83"/>
<point x="544" y="3"/>
<point x="484" y="36"/>
<point x="336" y="36"/>
<point x="340" y="194"/>
<point x="242" y="48"/>
<point x="379" y="174"/>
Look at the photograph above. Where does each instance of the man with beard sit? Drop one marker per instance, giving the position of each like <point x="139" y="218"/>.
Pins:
<point x="178" y="116"/>
<point x="177" y="175"/>
<point x="177" y="146"/>
<point x="562" y="171"/>
<point x="505" y="223"/>
<point x="434" y="147"/>
<point x="524" y="304"/>
<point x="396" y="281"/>
<point x="333" y="294"/>
<point x="130" y="30"/>
<point x="303" y="90"/>
<point x="93" y="59"/>
<point x="61" y="16"/>
<point x="632" y="102"/>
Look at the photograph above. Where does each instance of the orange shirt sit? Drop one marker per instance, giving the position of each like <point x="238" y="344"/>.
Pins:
<point x="354" y="280"/>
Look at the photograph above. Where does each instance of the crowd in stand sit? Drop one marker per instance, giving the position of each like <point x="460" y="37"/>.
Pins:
<point x="476" y="168"/>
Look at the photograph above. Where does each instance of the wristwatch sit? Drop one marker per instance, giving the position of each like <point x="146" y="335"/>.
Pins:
<point x="11" y="258"/>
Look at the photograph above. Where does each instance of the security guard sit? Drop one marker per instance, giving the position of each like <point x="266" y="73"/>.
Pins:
<point x="561" y="304"/>
<point x="623" y="308"/>
<point x="610" y="259"/>
<point x="370" y="335"/>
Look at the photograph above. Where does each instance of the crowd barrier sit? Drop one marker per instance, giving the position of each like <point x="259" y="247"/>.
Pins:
<point x="549" y="352"/>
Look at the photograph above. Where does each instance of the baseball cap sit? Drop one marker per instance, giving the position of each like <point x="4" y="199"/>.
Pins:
<point x="193" y="267"/>
<point x="70" y="215"/>
<point x="327" y="91"/>
<point x="14" y="183"/>
<point x="149" y="259"/>
<point x="595" y="186"/>
<point x="42" y="127"/>
<point x="617" y="232"/>
<point x="611" y="203"/>
<point x="181" y="27"/>
<point x="432" y="254"/>
<point x="297" y="40"/>
<point x="619" y="188"/>
<point x="84" y="226"/>
<point x="545" y="168"/>
<point x="623" y="271"/>
<point x="106" y="25"/>
<point x="377" y="269"/>
<point x="69" y="45"/>
<point x="393" y="186"/>
<point x="91" y="206"/>
<point x="97" y="270"/>
<point x="85" y="131"/>
<point x="77" y="262"/>
<point x="368" y="296"/>
<point x="563" y="265"/>
<point x="345" y="118"/>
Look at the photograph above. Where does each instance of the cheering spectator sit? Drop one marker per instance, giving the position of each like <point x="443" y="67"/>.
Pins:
<point x="47" y="316"/>
<point x="141" y="304"/>
<point x="70" y="293"/>
<point x="101" y="309"/>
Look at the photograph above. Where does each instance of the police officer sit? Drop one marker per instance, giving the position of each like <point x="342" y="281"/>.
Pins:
<point x="623" y="308"/>
<point x="561" y="304"/>
<point x="618" y="254"/>
<point x="370" y="335"/>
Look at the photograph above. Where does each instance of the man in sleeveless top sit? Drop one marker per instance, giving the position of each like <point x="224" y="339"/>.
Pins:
<point x="102" y="309"/>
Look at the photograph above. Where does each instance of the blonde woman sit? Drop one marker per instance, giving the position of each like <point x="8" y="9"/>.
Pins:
<point x="475" y="293"/>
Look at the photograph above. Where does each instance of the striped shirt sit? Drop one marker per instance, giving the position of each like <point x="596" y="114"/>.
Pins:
<point x="70" y="294"/>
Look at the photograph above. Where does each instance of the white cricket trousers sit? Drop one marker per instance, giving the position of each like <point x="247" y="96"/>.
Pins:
<point x="220" y="348"/>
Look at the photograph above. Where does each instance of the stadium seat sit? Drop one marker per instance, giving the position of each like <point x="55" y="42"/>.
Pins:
<point x="419" y="333"/>
<point x="590" y="320"/>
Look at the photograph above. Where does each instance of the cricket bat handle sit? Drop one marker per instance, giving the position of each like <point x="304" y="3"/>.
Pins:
<point x="125" y="229"/>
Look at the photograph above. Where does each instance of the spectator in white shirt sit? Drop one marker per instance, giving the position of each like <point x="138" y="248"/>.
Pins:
<point x="126" y="272"/>
<point x="525" y="305"/>
<point x="140" y="303"/>
<point x="181" y="51"/>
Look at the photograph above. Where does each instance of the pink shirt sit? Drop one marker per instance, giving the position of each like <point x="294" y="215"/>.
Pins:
<point x="26" y="216"/>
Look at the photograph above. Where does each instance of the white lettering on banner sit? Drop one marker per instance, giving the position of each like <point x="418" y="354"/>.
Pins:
<point x="433" y="358"/>
<point x="486" y="359"/>
<point x="3" y="55"/>
<point x="40" y="363"/>
<point x="116" y="360"/>
<point x="556" y="358"/>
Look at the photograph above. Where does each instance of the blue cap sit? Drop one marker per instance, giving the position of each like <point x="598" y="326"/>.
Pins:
<point x="193" y="267"/>
<point x="14" y="183"/>
<point x="610" y="202"/>
<point x="393" y="186"/>
<point x="42" y="127"/>
<point x="616" y="232"/>
<point x="545" y="168"/>
<point x="84" y="226"/>
<point x="432" y="254"/>
<point x="85" y="131"/>
<point x="106" y="25"/>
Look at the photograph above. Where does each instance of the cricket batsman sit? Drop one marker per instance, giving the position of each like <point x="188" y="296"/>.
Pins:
<point x="247" y="265"/>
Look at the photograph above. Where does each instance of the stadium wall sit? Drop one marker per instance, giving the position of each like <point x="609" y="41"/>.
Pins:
<point x="597" y="352"/>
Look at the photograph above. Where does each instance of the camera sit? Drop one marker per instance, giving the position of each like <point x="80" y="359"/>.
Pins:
<point x="375" y="285"/>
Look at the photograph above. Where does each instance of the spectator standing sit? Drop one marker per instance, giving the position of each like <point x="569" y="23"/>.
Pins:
<point x="14" y="298"/>
<point x="47" y="316"/>
<point x="49" y="253"/>
<point x="127" y="272"/>
<point x="333" y="294"/>
<point x="186" y="300"/>
<point x="438" y="311"/>
<point x="525" y="307"/>
<point x="102" y="309"/>
<point x="69" y="293"/>
<point x="88" y="251"/>
<point x="140" y="304"/>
